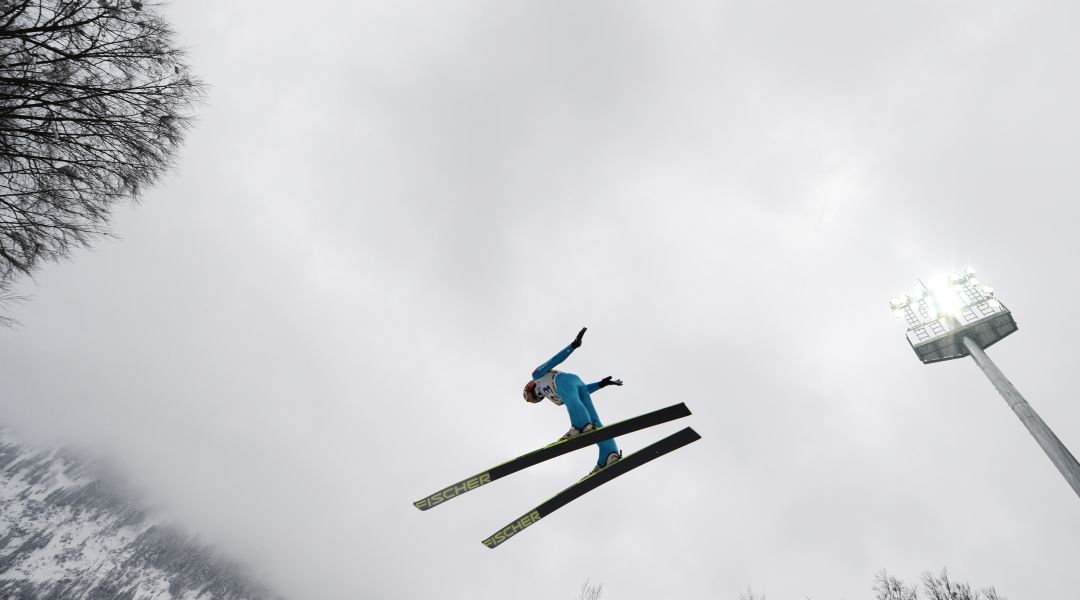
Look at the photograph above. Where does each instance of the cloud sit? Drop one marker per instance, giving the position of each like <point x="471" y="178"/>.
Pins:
<point x="385" y="220"/>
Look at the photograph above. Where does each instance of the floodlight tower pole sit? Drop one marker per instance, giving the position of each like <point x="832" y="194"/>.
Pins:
<point x="954" y="317"/>
<point x="1051" y="445"/>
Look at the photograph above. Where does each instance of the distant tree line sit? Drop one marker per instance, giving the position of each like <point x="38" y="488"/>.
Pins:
<point x="938" y="587"/>
<point x="94" y="101"/>
<point x="933" y="587"/>
<point x="886" y="587"/>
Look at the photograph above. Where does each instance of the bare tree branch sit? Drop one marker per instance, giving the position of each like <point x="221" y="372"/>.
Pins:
<point x="590" y="592"/>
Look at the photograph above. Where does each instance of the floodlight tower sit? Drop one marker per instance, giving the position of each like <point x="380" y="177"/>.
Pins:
<point x="955" y="316"/>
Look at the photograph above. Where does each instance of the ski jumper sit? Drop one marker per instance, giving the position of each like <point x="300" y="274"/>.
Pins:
<point x="569" y="390"/>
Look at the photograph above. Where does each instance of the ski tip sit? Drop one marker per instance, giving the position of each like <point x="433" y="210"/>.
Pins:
<point x="453" y="491"/>
<point x="513" y="528"/>
<point x="422" y="504"/>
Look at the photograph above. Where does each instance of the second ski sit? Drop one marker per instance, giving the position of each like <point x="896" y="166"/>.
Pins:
<point x="590" y="482"/>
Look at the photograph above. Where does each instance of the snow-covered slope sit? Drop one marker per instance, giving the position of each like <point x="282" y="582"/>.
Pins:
<point x="66" y="534"/>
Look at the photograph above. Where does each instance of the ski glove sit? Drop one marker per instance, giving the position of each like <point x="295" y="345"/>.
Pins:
<point x="609" y="381"/>
<point x="577" y="341"/>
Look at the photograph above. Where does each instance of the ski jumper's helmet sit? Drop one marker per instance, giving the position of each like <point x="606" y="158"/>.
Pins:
<point x="529" y="393"/>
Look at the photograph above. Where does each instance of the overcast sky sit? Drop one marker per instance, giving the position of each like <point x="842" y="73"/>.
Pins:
<point x="390" y="212"/>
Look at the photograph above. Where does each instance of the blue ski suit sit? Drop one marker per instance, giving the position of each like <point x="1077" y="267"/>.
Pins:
<point x="570" y="391"/>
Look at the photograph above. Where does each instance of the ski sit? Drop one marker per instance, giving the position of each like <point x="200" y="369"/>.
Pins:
<point x="670" y="413"/>
<point x="591" y="482"/>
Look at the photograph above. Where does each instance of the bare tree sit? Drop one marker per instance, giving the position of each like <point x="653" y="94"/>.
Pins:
<point x="94" y="101"/>
<point x="590" y="592"/>
<point x="749" y="595"/>
<point x="891" y="588"/>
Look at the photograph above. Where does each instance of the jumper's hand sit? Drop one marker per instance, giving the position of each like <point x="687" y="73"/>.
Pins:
<point x="609" y="381"/>
<point x="577" y="341"/>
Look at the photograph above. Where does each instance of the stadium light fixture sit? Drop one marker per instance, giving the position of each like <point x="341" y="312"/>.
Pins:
<point x="956" y="315"/>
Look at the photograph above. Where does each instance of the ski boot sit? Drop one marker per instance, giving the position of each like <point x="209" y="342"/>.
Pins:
<point x="611" y="459"/>
<point x="574" y="431"/>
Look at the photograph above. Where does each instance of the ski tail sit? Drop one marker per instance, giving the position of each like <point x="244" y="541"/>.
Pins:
<point x="591" y="482"/>
<point x="656" y="417"/>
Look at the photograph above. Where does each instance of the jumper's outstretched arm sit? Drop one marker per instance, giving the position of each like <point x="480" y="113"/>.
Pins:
<point x="561" y="356"/>
<point x="553" y="362"/>
<point x="603" y="383"/>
